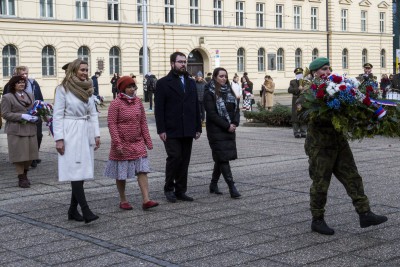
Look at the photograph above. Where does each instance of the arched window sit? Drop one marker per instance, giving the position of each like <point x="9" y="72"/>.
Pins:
<point x="84" y="54"/>
<point x="141" y="60"/>
<point x="364" y="56"/>
<point x="10" y="60"/>
<point x="240" y="60"/>
<point x="261" y="60"/>
<point x="315" y="54"/>
<point x="115" y="56"/>
<point x="383" y="58"/>
<point x="48" y="60"/>
<point x="280" y="59"/>
<point x="298" y="55"/>
<point x="345" y="59"/>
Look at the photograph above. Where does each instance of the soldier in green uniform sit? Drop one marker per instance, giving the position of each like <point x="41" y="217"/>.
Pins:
<point x="329" y="153"/>
<point x="295" y="88"/>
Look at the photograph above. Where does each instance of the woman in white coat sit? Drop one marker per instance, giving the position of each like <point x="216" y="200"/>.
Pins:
<point x="77" y="135"/>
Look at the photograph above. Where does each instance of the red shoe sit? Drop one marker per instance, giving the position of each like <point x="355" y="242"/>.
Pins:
<point x="149" y="204"/>
<point x="125" y="206"/>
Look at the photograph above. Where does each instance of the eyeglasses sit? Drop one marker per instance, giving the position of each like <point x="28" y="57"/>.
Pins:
<point x="181" y="61"/>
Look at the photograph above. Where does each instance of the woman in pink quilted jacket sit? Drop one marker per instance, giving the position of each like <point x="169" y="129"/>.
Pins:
<point x="129" y="139"/>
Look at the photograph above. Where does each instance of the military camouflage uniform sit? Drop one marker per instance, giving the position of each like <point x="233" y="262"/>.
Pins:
<point x="329" y="153"/>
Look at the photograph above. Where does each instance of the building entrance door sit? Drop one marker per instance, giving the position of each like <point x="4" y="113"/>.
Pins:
<point x="195" y="63"/>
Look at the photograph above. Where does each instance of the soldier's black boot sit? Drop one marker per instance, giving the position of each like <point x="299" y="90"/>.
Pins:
<point x="226" y="172"/>
<point x="79" y="194"/>
<point x="214" y="180"/>
<point x="319" y="225"/>
<point x="369" y="218"/>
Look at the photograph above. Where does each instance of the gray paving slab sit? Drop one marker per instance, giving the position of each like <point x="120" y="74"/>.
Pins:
<point x="268" y="226"/>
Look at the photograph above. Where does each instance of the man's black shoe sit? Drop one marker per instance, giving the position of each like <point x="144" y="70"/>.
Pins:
<point x="183" y="197"/>
<point x="38" y="161"/>
<point x="170" y="196"/>
<point x="320" y="226"/>
<point x="369" y="218"/>
<point x="34" y="163"/>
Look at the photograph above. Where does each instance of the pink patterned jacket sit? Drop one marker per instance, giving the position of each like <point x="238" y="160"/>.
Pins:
<point x="128" y="129"/>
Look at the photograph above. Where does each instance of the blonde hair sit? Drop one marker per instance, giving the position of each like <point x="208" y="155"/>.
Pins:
<point x="73" y="68"/>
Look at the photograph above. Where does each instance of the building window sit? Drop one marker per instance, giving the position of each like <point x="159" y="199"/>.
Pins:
<point x="140" y="7"/>
<point x="364" y="56"/>
<point x="7" y="7"/>
<point x="280" y="59"/>
<point x="112" y="10"/>
<point x="115" y="56"/>
<point x="194" y="11"/>
<point x="383" y="58"/>
<point x="141" y="60"/>
<point x="344" y="20"/>
<point x="240" y="60"/>
<point x="297" y="17"/>
<point x="46" y="8"/>
<point x="381" y="22"/>
<point x="314" y="18"/>
<point x="84" y="54"/>
<point x="261" y="60"/>
<point x="298" y="55"/>
<point x="239" y="13"/>
<point x="48" y="61"/>
<point x="82" y="9"/>
<point x="10" y="58"/>
<point x="345" y="59"/>
<point x="260" y="15"/>
<point x="218" y="12"/>
<point x="315" y="54"/>
<point x="169" y="11"/>
<point x="279" y="16"/>
<point x="363" y="21"/>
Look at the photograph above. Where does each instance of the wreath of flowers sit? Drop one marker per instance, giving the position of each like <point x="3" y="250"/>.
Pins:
<point x="43" y="110"/>
<point x="354" y="114"/>
<point x="369" y="86"/>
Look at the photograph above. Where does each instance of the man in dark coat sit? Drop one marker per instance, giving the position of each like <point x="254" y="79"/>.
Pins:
<point x="96" y="83"/>
<point x="396" y="81"/>
<point x="299" y="128"/>
<point x="151" y="84"/>
<point x="178" y="122"/>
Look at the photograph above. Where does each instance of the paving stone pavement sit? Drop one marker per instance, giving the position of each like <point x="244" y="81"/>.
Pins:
<point x="268" y="226"/>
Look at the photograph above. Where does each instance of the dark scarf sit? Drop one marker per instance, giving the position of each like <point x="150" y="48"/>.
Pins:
<point x="226" y="97"/>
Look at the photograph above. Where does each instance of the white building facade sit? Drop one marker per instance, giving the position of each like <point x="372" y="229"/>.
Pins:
<point x="255" y="36"/>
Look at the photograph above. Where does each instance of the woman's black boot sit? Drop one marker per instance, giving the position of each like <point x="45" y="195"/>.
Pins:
<point x="73" y="213"/>
<point x="79" y="194"/>
<point x="226" y="172"/>
<point x="214" y="180"/>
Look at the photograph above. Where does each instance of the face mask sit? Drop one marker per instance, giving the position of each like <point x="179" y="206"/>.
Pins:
<point x="299" y="76"/>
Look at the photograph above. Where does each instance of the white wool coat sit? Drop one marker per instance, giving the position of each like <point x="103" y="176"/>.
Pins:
<point x="76" y="122"/>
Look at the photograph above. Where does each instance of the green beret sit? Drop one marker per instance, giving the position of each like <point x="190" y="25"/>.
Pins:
<point x="368" y="65"/>
<point x="298" y="70"/>
<point x="318" y="63"/>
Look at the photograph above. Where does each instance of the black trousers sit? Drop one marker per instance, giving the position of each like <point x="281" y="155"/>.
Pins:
<point x="150" y="96"/>
<point x="39" y="133"/>
<point x="176" y="169"/>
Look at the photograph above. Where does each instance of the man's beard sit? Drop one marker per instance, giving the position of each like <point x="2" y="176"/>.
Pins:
<point x="180" y="71"/>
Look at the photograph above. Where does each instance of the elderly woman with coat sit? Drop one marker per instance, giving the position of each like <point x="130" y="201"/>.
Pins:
<point x="77" y="135"/>
<point x="267" y="96"/>
<point x="129" y="139"/>
<point x="223" y="116"/>
<point x="20" y="128"/>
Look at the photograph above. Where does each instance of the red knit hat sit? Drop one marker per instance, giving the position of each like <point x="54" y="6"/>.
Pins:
<point x="123" y="82"/>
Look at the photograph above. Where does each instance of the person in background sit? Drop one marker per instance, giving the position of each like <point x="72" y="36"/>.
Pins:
<point x="329" y="153"/>
<point x="200" y="84"/>
<point x="151" y="88"/>
<point x="208" y="77"/>
<point x="248" y="97"/>
<point x="295" y="88"/>
<point x="113" y="82"/>
<point x="178" y="123"/>
<point x="268" y="88"/>
<point x="223" y="116"/>
<point x="385" y="85"/>
<point x="96" y="83"/>
<point x="133" y="76"/>
<point x="236" y="87"/>
<point x="129" y="138"/>
<point x="32" y="87"/>
<point x="20" y="128"/>
<point x="77" y="135"/>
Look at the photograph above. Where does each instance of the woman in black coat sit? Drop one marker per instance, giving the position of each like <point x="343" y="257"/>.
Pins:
<point x="223" y="116"/>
